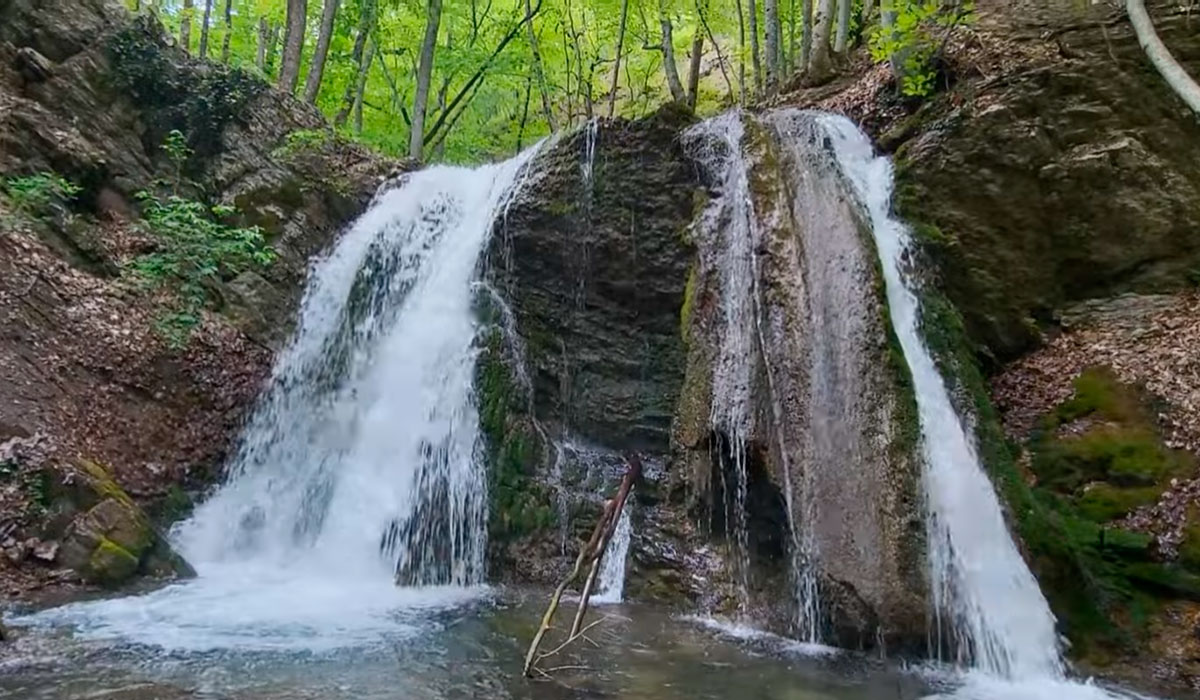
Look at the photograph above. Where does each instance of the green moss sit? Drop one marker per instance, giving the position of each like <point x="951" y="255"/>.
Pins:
<point x="689" y="300"/>
<point x="111" y="563"/>
<point x="1104" y="503"/>
<point x="518" y="505"/>
<point x="1189" y="547"/>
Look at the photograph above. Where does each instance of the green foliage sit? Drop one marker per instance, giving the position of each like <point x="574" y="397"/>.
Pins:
<point x="915" y="38"/>
<point x="195" y="252"/>
<point x="302" y="141"/>
<point x="33" y="195"/>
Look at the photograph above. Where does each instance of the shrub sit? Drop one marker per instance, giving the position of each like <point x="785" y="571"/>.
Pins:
<point x="915" y="37"/>
<point x="195" y="252"/>
<point x="33" y="195"/>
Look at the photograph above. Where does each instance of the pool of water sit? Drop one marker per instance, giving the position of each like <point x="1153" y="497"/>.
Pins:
<point x="433" y="644"/>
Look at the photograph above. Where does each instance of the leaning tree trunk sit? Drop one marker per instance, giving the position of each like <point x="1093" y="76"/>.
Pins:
<point x="538" y="70"/>
<point x="612" y="92"/>
<point x="771" y="17"/>
<point x="1176" y="77"/>
<point x="416" y="141"/>
<point x="225" y="40"/>
<point x="668" y="49"/>
<point x="316" y="71"/>
<point x="806" y="32"/>
<point x="693" y="85"/>
<point x="293" y="44"/>
<point x="366" y="24"/>
<point x="264" y="33"/>
<point x="754" y="62"/>
<point x="185" y="25"/>
<point x="361" y="88"/>
<point x="204" y="28"/>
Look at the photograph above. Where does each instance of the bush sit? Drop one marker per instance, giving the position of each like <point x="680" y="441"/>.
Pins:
<point x="915" y="38"/>
<point x="195" y="252"/>
<point x="33" y="195"/>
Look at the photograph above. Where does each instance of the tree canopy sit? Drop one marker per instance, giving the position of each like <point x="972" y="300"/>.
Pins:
<point x="465" y="80"/>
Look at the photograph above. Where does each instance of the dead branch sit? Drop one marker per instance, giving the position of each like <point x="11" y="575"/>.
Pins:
<point x="590" y="555"/>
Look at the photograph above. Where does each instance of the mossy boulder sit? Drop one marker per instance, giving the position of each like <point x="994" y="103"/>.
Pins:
<point x="110" y="539"/>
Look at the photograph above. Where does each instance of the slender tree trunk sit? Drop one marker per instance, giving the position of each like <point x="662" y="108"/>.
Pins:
<point x="273" y="47"/>
<point x="316" y="70"/>
<point x="264" y="31"/>
<point x="755" y="62"/>
<point x="225" y="40"/>
<point x="741" y="52"/>
<point x="843" y="26"/>
<point x="433" y="18"/>
<point x="524" y="111"/>
<point x="366" y="24"/>
<point x="806" y="32"/>
<point x="700" y="7"/>
<point x="818" y="61"/>
<point x="790" y="63"/>
<point x="693" y="86"/>
<point x="208" y="4"/>
<point x="293" y="44"/>
<point x="771" y="17"/>
<point x="360" y="87"/>
<point x="185" y="25"/>
<point x="538" y="70"/>
<point x="1175" y="76"/>
<point x="612" y="92"/>
<point x="668" y="51"/>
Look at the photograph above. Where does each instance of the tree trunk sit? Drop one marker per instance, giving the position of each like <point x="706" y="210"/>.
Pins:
<point x="693" y="86"/>
<point x="790" y="62"/>
<point x="668" y="49"/>
<point x="264" y="31"/>
<point x="293" y="44"/>
<point x="612" y="92"/>
<point x="360" y="87"/>
<point x="1176" y="77"/>
<point x="700" y="5"/>
<point x="538" y="70"/>
<point x="272" y="47"/>
<point x="316" y="70"/>
<point x="416" y="140"/>
<point x="185" y="26"/>
<point x="843" y="26"/>
<point x="741" y="15"/>
<point x="818" y="61"/>
<point x="228" y="31"/>
<point x="204" y="28"/>
<point x="771" y="17"/>
<point x="366" y="24"/>
<point x="806" y="32"/>
<point x="752" y="6"/>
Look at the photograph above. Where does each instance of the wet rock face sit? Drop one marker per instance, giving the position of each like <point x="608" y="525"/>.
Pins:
<point x="1073" y="173"/>
<point x="594" y="265"/>
<point x="826" y="435"/>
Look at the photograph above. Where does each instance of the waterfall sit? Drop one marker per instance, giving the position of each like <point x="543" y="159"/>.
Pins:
<point x="361" y="467"/>
<point x="611" y="587"/>
<point x="1000" y="620"/>
<point x="728" y="234"/>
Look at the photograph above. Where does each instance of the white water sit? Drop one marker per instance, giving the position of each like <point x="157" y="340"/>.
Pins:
<point x="728" y="232"/>
<point x="1000" y="621"/>
<point x="361" y="467"/>
<point x="611" y="587"/>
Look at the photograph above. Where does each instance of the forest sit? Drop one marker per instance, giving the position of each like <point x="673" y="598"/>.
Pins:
<point x="469" y="79"/>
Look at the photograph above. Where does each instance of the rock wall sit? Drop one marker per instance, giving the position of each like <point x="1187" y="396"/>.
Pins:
<point x="90" y="93"/>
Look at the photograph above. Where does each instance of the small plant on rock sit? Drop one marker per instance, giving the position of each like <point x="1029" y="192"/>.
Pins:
<point x="914" y="38"/>
<point x="195" y="252"/>
<point x="33" y="195"/>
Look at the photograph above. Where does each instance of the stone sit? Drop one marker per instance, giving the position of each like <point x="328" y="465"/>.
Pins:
<point x="46" y="552"/>
<point x="33" y="66"/>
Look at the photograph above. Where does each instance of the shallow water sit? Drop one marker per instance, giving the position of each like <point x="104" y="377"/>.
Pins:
<point x="423" y="648"/>
<point x="435" y="644"/>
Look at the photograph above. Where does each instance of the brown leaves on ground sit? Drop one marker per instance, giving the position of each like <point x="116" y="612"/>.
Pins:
<point x="1148" y="341"/>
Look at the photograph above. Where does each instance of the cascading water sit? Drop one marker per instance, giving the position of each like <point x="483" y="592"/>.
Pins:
<point x="361" y="467"/>
<point x="1000" y="621"/>
<point x="729" y="234"/>
<point x="611" y="586"/>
